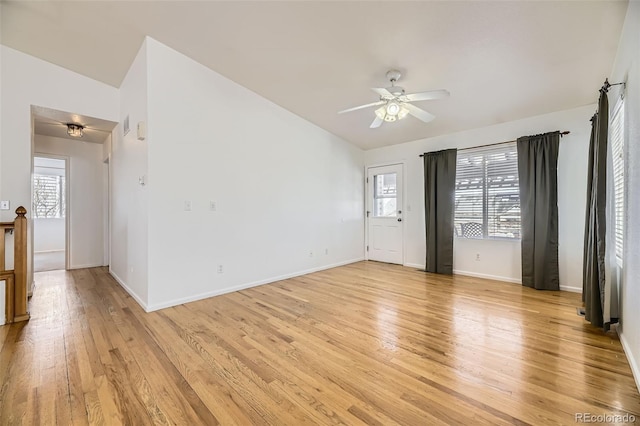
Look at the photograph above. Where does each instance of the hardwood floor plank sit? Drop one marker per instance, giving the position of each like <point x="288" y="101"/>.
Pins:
<point x="366" y="343"/>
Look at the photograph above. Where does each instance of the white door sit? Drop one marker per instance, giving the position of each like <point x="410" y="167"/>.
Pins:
<point x="384" y="214"/>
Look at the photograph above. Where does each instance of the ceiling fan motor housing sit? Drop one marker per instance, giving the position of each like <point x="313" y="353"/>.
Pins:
<point x="396" y="90"/>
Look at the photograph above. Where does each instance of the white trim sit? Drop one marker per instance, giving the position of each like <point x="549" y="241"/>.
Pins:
<point x="494" y="277"/>
<point x="571" y="289"/>
<point x="129" y="290"/>
<point x="633" y="363"/>
<point x="91" y="265"/>
<point x="488" y="276"/>
<point x="206" y="295"/>
<point x="472" y="274"/>
<point x="48" y="251"/>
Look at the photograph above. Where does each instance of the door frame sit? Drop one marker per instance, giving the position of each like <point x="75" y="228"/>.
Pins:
<point x="402" y="163"/>
<point x="67" y="202"/>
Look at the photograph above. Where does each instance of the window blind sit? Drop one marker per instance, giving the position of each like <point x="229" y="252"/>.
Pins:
<point x="616" y="136"/>
<point x="487" y="199"/>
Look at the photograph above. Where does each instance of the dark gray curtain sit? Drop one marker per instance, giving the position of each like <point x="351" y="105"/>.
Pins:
<point x="593" y="278"/>
<point x="439" y="201"/>
<point x="538" y="174"/>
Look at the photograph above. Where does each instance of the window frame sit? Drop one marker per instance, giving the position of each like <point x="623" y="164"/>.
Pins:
<point x="489" y="192"/>
<point x="618" y="172"/>
<point x="60" y="196"/>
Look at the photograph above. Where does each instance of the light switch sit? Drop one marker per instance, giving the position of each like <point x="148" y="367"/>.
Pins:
<point x="212" y="206"/>
<point x="187" y="206"/>
<point x="142" y="131"/>
<point x="4" y="205"/>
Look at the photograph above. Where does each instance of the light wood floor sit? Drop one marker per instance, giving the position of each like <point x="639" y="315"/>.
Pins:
<point x="366" y="343"/>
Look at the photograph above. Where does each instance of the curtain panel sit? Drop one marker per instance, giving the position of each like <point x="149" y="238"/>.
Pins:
<point x="538" y="176"/>
<point x="594" y="271"/>
<point x="439" y="203"/>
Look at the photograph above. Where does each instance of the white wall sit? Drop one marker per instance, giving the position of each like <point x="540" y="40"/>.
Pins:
<point x="627" y="68"/>
<point x="28" y="81"/>
<point x="283" y="187"/>
<point x="48" y="234"/>
<point x="85" y="197"/>
<point x="129" y="206"/>
<point x="501" y="259"/>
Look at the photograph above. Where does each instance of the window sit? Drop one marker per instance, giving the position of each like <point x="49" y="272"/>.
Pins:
<point x="487" y="198"/>
<point x="616" y="137"/>
<point x="384" y="195"/>
<point x="48" y="196"/>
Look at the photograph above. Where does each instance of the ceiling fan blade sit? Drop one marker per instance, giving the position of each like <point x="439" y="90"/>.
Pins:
<point x="376" y="122"/>
<point x="418" y="113"/>
<point x="384" y="93"/>
<point x="425" y="96"/>
<point x="361" y="106"/>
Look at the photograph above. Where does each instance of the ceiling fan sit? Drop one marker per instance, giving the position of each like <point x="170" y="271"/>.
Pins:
<point x="396" y="105"/>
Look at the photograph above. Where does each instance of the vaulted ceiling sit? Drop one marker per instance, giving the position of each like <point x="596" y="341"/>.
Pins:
<point x="501" y="60"/>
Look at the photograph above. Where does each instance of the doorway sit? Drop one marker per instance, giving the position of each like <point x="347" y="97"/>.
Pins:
<point x="49" y="213"/>
<point x="385" y="226"/>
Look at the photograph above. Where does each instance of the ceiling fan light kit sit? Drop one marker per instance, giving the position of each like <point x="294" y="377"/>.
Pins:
<point x="75" y="130"/>
<point x="396" y="105"/>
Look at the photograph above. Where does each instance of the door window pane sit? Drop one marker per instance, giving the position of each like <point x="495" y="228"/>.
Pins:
<point x="384" y="195"/>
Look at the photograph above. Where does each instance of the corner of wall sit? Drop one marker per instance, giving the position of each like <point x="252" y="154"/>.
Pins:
<point x="129" y="290"/>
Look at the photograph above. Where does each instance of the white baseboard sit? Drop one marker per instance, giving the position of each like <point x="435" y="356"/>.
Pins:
<point x="470" y="274"/>
<point x="129" y="290"/>
<point x="495" y="277"/>
<point x="488" y="276"/>
<point x="175" y="302"/>
<point x="633" y="363"/>
<point x="89" y="265"/>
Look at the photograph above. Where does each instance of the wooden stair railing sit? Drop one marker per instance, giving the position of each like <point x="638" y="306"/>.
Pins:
<point x="15" y="279"/>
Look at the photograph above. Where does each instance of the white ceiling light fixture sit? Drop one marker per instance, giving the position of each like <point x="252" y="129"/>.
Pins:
<point x="391" y="112"/>
<point x="75" y="130"/>
<point x="396" y="105"/>
<point x="393" y="108"/>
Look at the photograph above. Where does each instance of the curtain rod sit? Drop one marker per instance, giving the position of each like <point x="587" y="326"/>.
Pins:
<point x="606" y="85"/>
<point x="566" y="132"/>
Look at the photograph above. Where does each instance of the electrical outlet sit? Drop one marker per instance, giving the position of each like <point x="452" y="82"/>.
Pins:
<point x="326" y="251"/>
<point x="220" y="269"/>
<point x="4" y="205"/>
<point x="212" y="206"/>
<point x="311" y="254"/>
<point x="477" y="257"/>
